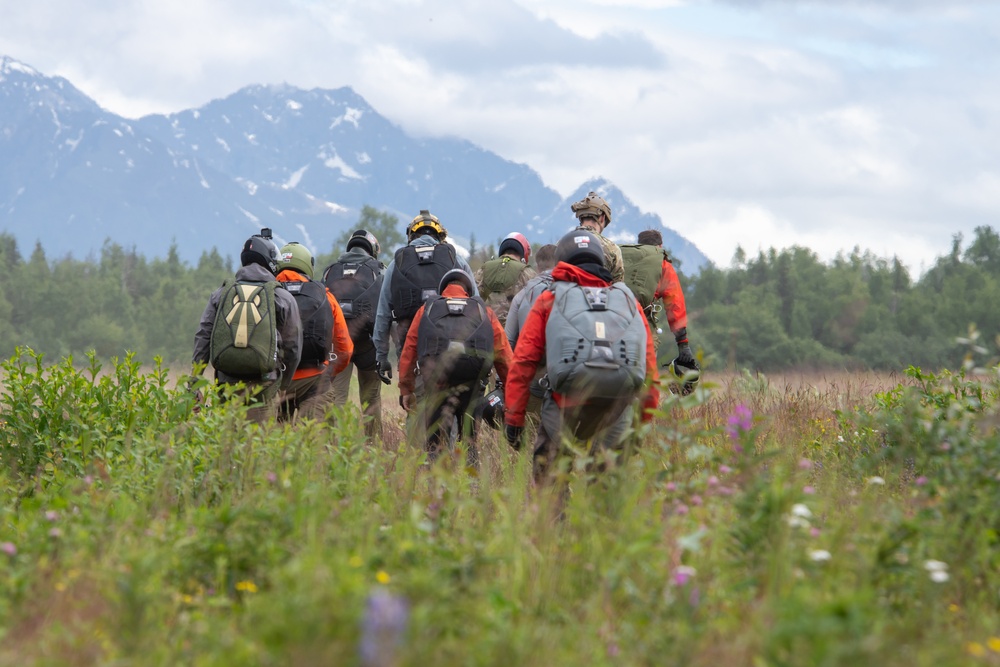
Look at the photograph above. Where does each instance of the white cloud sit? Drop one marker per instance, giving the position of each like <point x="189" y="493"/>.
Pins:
<point x="827" y="124"/>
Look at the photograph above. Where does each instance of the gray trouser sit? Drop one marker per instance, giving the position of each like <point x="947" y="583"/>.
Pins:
<point x="603" y="424"/>
<point x="370" y="393"/>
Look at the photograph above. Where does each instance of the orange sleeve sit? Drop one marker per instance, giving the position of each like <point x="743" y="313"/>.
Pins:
<point x="408" y="357"/>
<point x="530" y="350"/>
<point x="669" y="289"/>
<point x="343" y="346"/>
<point x="503" y="356"/>
<point x="652" y="397"/>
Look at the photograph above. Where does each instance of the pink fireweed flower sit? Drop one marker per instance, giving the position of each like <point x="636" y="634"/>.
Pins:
<point x="920" y="481"/>
<point x="683" y="574"/>
<point x="8" y="548"/>
<point x="805" y="464"/>
<point x="724" y="469"/>
<point x="739" y="423"/>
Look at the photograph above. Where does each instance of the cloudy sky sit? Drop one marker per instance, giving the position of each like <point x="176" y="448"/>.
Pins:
<point x="829" y="124"/>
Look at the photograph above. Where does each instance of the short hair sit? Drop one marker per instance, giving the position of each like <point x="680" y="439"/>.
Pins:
<point x="545" y="257"/>
<point x="650" y="237"/>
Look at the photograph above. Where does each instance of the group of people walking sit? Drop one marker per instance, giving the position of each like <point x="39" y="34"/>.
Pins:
<point x="570" y="346"/>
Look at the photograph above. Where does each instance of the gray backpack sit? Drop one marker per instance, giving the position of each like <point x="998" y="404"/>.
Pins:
<point x="595" y="342"/>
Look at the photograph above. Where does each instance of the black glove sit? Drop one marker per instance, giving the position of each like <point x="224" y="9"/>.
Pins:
<point x="685" y="358"/>
<point x="498" y="385"/>
<point x="384" y="370"/>
<point x="513" y="435"/>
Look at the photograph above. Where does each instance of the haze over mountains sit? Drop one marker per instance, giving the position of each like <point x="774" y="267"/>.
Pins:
<point x="303" y="162"/>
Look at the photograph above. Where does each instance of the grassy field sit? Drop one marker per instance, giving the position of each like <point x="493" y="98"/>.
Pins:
<point x="814" y="519"/>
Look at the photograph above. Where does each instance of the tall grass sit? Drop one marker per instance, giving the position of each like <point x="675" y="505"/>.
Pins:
<point x="797" y="520"/>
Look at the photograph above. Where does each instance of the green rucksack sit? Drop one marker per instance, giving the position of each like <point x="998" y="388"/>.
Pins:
<point x="499" y="275"/>
<point x="245" y="333"/>
<point x="643" y="268"/>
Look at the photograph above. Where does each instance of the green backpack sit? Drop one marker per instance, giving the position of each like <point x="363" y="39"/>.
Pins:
<point x="245" y="334"/>
<point x="643" y="269"/>
<point x="499" y="275"/>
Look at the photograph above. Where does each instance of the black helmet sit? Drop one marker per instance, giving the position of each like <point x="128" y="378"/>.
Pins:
<point x="365" y="240"/>
<point x="579" y="247"/>
<point x="259" y="250"/>
<point x="457" y="276"/>
<point x="491" y="408"/>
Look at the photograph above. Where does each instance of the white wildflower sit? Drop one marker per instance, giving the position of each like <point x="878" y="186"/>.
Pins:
<point x="939" y="576"/>
<point x="800" y="509"/>
<point x="935" y="566"/>
<point x="876" y="480"/>
<point x="819" y="555"/>
<point x="798" y="522"/>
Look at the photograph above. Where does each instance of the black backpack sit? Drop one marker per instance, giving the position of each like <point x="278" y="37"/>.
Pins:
<point x="356" y="285"/>
<point x="317" y="321"/>
<point x="416" y="277"/>
<point x="456" y="338"/>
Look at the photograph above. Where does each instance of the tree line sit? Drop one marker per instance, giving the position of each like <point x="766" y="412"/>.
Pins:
<point x="778" y="310"/>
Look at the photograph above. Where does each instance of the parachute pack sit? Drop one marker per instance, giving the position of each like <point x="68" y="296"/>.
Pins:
<point x="416" y="277"/>
<point x="595" y="342"/>
<point x="500" y="274"/>
<point x="643" y="268"/>
<point x="244" y="341"/>
<point x="456" y="338"/>
<point x="357" y="286"/>
<point x="317" y="321"/>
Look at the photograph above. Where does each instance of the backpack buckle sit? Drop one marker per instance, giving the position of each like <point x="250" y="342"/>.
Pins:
<point x="597" y="297"/>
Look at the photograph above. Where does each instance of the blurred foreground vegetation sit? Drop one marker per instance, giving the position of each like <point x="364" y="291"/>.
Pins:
<point x="785" y="521"/>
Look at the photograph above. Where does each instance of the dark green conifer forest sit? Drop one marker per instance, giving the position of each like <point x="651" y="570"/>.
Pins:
<point x="783" y="309"/>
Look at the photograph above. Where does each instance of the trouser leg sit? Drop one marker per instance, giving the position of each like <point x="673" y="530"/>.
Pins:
<point x="445" y="407"/>
<point x="314" y="396"/>
<point x="340" y="385"/>
<point x="370" y="391"/>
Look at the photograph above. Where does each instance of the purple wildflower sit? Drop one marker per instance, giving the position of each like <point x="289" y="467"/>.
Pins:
<point x="740" y="422"/>
<point x="52" y="515"/>
<point x="383" y="629"/>
<point x="920" y="481"/>
<point x="8" y="548"/>
<point x="683" y="574"/>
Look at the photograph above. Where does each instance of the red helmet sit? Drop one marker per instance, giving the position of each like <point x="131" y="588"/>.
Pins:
<point x="517" y="242"/>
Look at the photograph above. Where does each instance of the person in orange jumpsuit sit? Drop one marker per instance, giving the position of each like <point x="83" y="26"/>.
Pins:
<point x="601" y="419"/>
<point x="327" y="346"/>
<point x="453" y="342"/>
<point x="668" y="290"/>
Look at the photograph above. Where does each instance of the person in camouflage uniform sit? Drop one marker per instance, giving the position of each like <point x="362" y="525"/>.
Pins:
<point x="501" y="278"/>
<point x="594" y="215"/>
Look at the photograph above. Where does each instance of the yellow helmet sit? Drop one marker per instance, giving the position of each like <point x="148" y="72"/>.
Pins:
<point x="426" y="221"/>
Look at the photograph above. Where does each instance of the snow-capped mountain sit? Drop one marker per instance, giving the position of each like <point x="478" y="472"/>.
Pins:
<point x="302" y="162"/>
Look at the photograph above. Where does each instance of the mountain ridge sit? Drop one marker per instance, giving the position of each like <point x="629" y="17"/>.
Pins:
<point x="303" y="162"/>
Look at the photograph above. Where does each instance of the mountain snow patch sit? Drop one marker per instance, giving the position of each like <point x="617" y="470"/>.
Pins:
<point x="351" y="116"/>
<point x="293" y="105"/>
<point x="293" y="180"/>
<point x="336" y="162"/>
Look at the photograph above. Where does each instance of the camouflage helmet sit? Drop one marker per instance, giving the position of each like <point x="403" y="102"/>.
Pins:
<point x="260" y="250"/>
<point x="517" y="242"/>
<point x="364" y="239"/>
<point x="580" y="247"/>
<point x="297" y="256"/>
<point x="592" y="205"/>
<point x="426" y="221"/>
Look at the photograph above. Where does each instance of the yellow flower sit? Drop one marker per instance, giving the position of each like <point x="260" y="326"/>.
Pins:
<point x="246" y="586"/>
<point x="382" y="577"/>
<point x="975" y="648"/>
<point x="953" y="608"/>
<point x="994" y="644"/>
<point x="355" y="561"/>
